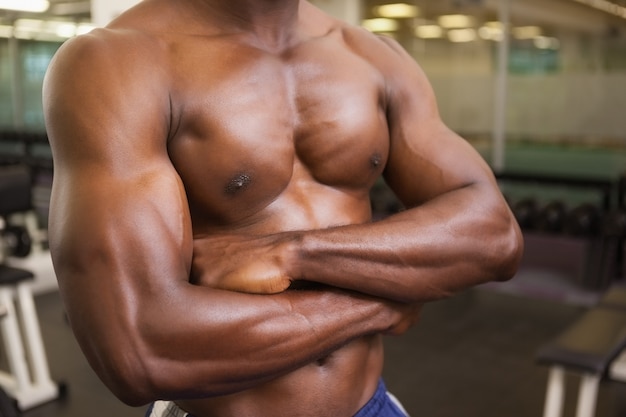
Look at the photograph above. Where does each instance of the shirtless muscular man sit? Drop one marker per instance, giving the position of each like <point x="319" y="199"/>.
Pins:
<point x="210" y="220"/>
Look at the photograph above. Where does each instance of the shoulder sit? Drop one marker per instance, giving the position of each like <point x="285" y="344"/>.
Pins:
<point x="404" y="85"/>
<point x="128" y="45"/>
<point x="112" y="76"/>
<point x="318" y="23"/>
<point x="105" y="62"/>
<point x="106" y="50"/>
<point x="383" y="52"/>
<point x="402" y="75"/>
<point x="362" y="39"/>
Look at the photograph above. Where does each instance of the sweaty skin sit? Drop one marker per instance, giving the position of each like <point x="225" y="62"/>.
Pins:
<point x="210" y="221"/>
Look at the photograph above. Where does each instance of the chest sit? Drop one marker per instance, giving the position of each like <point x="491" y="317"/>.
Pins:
<point x="247" y="124"/>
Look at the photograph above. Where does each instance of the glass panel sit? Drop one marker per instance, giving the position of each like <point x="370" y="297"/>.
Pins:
<point x="35" y="57"/>
<point x="6" y="108"/>
<point x="566" y="77"/>
<point x="566" y="89"/>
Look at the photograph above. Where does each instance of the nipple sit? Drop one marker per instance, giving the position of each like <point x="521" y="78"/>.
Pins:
<point x="238" y="183"/>
<point x="376" y="160"/>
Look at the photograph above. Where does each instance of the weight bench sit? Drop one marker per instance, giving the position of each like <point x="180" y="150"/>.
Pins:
<point x="618" y="368"/>
<point x="617" y="371"/>
<point x="28" y="378"/>
<point x="589" y="347"/>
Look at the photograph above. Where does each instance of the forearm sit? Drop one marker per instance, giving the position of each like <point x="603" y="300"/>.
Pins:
<point x="457" y="240"/>
<point x="228" y="342"/>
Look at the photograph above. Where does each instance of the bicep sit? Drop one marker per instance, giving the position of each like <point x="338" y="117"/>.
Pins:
<point x="426" y="157"/>
<point x="114" y="240"/>
<point x="119" y="223"/>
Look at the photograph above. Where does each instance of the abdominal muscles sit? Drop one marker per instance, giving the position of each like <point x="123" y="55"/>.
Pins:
<point x="335" y="386"/>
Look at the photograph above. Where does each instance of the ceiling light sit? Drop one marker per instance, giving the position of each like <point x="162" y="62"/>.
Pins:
<point x="51" y="30"/>
<point x="429" y="31"/>
<point x="70" y="8"/>
<point x="44" y="29"/>
<point x="494" y="25"/>
<point x="396" y="10"/>
<point x="526" y="32"/>
<point x="456" y="21"/>
<point x="65" y="30"/>
<point x="380" y="24"/>
<point x="84" y="28"/>
<point x="606" y="6"/>
<point x="461" y="35"/>
<point x="545" y="42"/>
<point x="24" y="27"/>
<point x="6" y="31"/>
<point x="36" y="6"/>
<point x="491" y="33"/>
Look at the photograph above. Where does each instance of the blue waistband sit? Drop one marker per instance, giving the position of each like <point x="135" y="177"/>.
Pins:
<point x="380" y="405"/>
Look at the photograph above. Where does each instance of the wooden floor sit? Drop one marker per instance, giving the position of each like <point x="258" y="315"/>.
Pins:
<point x="470" y="356"/>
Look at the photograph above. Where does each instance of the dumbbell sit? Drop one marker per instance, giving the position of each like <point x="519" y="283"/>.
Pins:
<point x="551" y="218"/>
<point x="615" y="224"/>
<point x="15" y="241"/>
<point x="525" y="212"/>
<point x="584" y="220"/>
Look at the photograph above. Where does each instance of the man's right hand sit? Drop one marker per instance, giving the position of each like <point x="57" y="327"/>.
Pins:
<point x="249" y="264"/>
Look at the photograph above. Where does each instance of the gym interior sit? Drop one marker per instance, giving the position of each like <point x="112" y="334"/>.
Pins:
<point x="538" y="87"/>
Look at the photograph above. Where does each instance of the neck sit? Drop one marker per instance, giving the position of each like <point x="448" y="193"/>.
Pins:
<point x="272" y="22"/>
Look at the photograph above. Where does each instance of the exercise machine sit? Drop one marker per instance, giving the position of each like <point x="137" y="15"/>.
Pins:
<point x="27" y="379"/>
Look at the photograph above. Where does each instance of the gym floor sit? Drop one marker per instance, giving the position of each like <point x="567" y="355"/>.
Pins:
<point x="471" y="355"/>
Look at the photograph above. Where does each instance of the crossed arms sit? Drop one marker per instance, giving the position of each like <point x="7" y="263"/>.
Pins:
<point x="122" y="245"/>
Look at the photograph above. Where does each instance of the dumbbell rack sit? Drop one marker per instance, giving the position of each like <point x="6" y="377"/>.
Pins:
<point x="595" y="224"/>
<point x="28" y="378"/>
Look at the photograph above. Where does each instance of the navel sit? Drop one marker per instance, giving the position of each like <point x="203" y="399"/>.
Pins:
<point x="238" y="183"/>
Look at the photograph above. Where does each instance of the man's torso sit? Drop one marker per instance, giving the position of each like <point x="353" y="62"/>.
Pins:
<point x="269" y="141"/>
